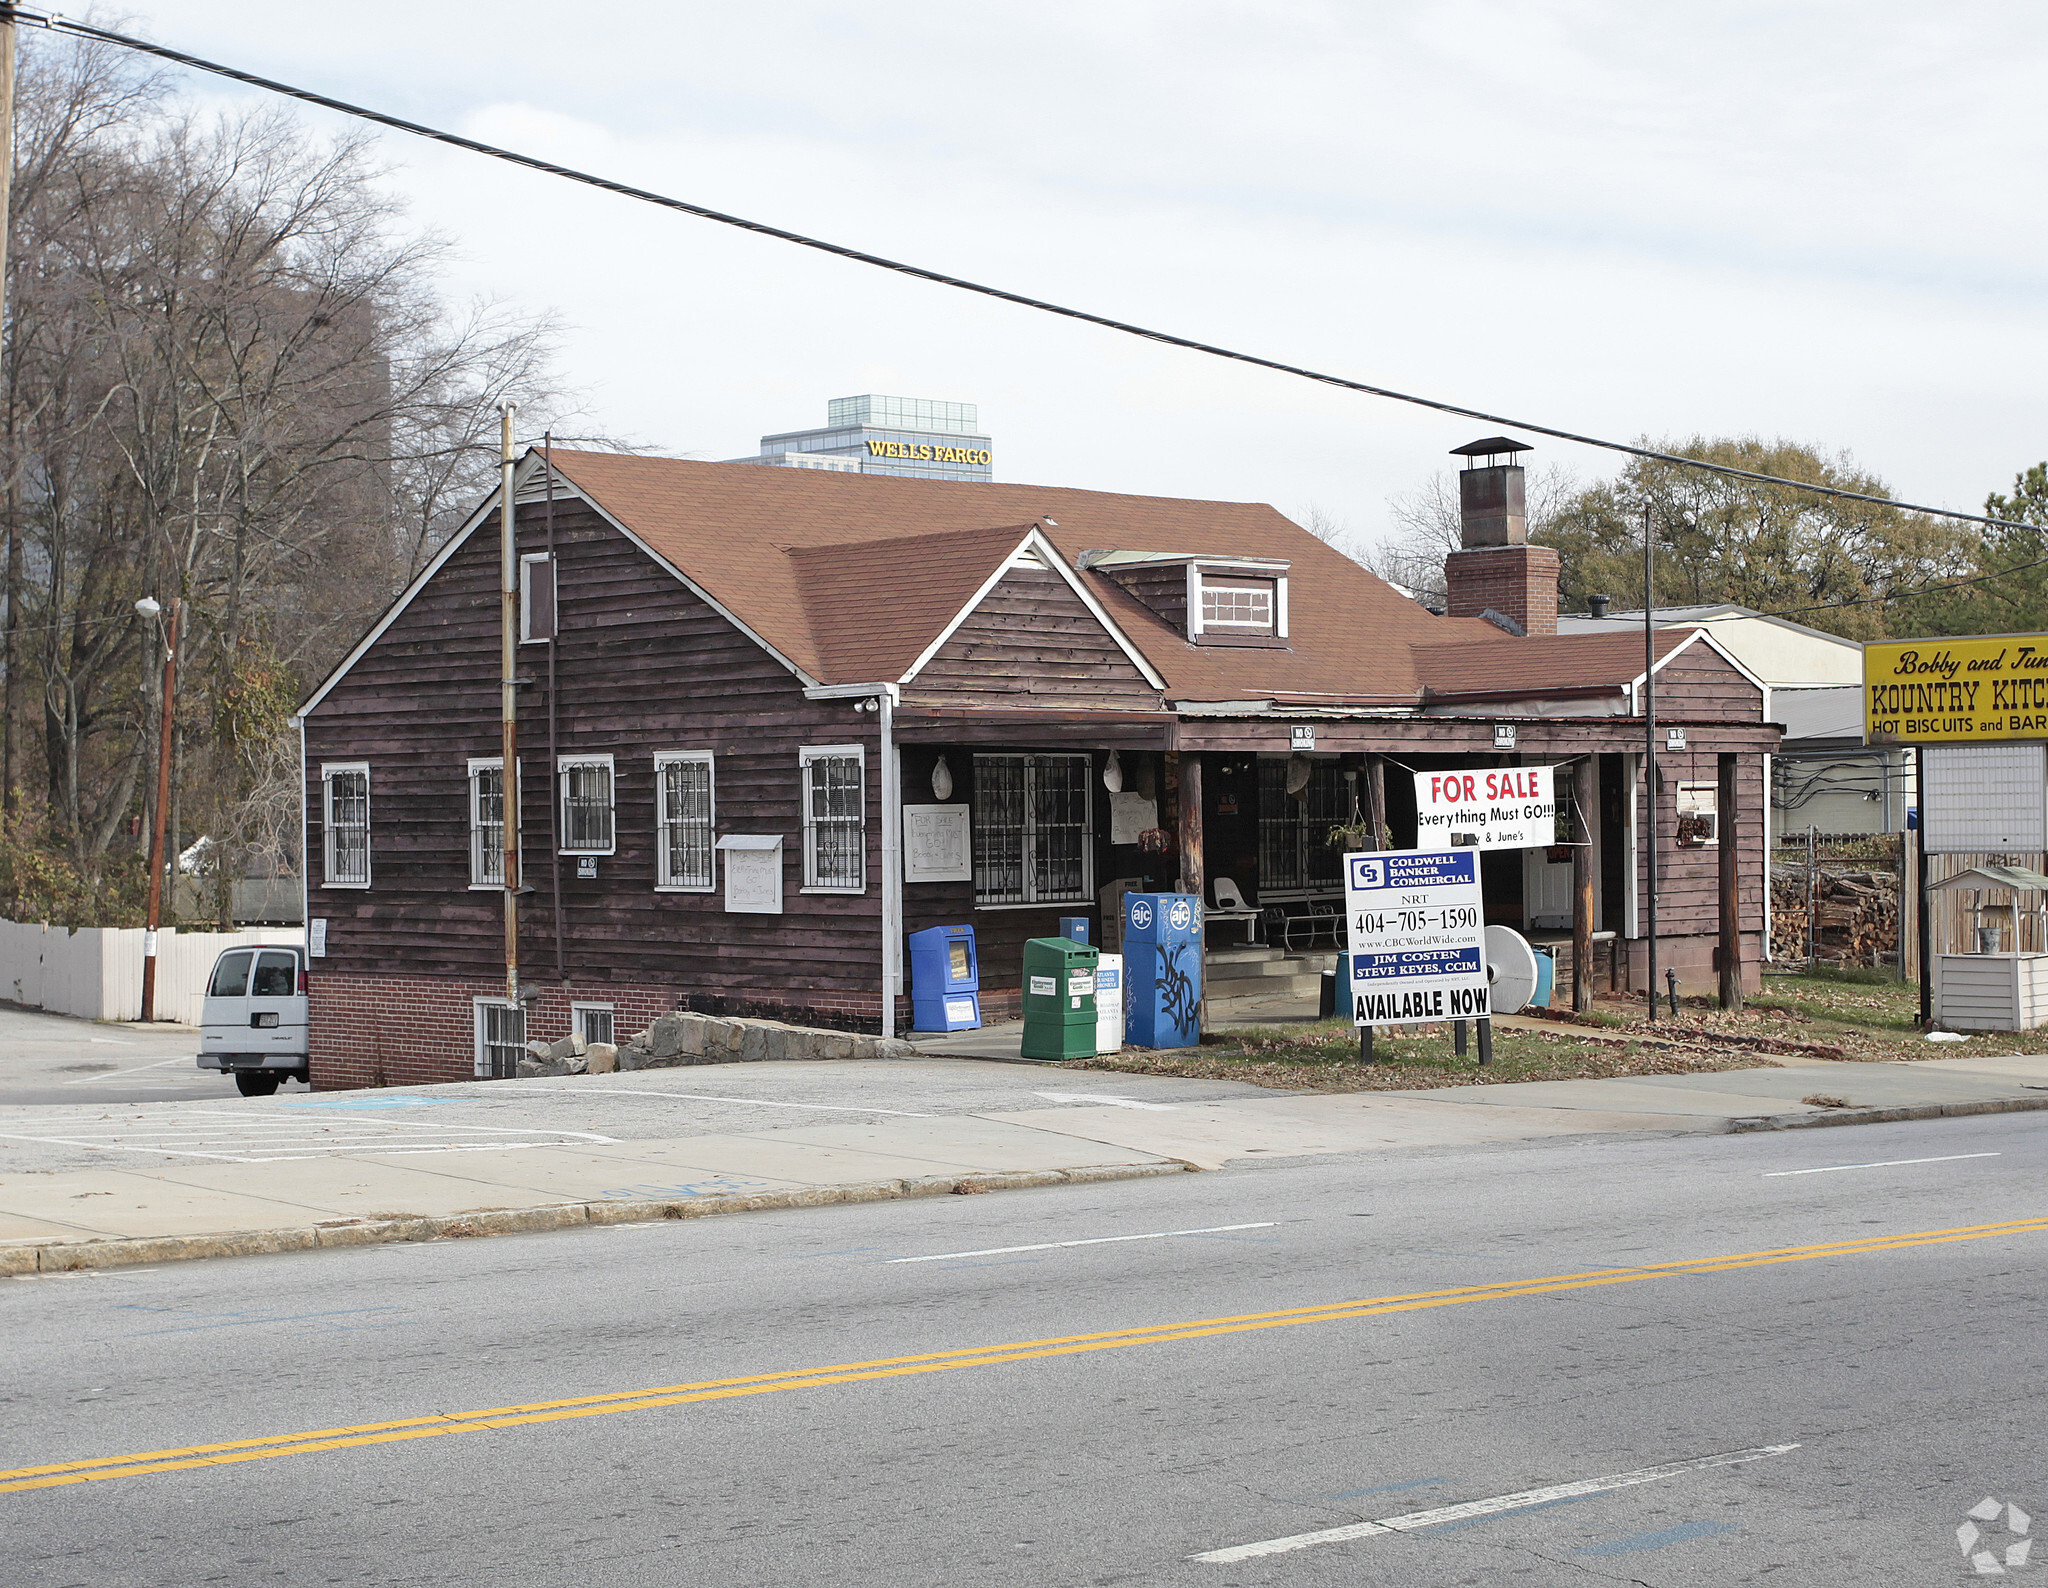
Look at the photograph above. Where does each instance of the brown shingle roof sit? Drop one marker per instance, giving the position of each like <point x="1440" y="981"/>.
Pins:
<point x="781" y="548"/>
<point x="1506" y="668"/>
<point x="874" y="605"/>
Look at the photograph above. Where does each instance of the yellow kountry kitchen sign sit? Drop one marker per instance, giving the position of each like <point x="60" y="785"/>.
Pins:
<point x="1978" y="690"/>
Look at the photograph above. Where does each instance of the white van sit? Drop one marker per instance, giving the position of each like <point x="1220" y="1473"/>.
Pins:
<point x="253" y="1022"/>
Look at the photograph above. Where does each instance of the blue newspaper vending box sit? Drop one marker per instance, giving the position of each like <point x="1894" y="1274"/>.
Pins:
<point x="1162" y="970"/>
<point x="945" y="979"/>
<point x="1074" y="928"/>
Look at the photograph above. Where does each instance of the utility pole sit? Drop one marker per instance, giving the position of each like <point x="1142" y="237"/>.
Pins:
<point x="1650" y="740"/>
<point x="13" y="530"/>
<point x="168" y="712"/>
<point x="508" y="700"/>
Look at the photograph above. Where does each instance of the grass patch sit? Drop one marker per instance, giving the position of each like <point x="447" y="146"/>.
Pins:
<point x="1856" y="1015"/>
<point x="1324" y="1058"/>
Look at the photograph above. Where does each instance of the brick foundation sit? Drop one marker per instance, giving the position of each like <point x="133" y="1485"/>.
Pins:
<point x="421" y="1030"/>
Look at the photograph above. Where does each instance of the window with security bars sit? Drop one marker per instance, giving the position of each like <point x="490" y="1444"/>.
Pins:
<point x="1033" y="837"/>
<point x="835" y="819"/>
<point x="594" y="1022"/>
<point x="1294" y="848"/>
<point x="683" y="821"/>
<point x="487" y="824"/>
<point x="345" y="823"/>
<point x="586" y="795"/>
<point x="500" y="1039"/>
<point x="1237" y="604"/>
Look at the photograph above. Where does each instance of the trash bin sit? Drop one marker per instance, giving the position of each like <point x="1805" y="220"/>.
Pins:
<point x="1109" y="1003"/>
<point x="945" y="979"/>
<point x="1163" y="969"/>
<point x="1059" y="999"/>
<point x="1336" y="994"/>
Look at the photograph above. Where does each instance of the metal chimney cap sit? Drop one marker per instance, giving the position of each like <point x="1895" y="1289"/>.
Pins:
<point x="1492" y="446"/>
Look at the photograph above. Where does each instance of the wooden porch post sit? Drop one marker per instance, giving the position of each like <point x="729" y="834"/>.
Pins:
<point x="1729" y="831"/>
<point x="1376" y="801"/>
<point x="1585" y="787"/>
<point x="1193" y="878"/>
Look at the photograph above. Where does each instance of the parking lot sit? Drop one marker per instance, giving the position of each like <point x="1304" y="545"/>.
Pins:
<point x="56" y="1059"/>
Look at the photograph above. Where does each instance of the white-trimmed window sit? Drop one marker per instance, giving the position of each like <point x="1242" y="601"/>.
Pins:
<point x="500" y="1039"/>
<point x="536" y="598"/>
<point x="586" y="796"/>
<point x="345" y="823"/>
<point x="684" y="816"/>
<point x="487" y="822"/>
<point x="1034" y="840"/>
<point x="1244" y="606"/>
<point x="1699" y="816"/>
<point x="594" y="1022"/>
<point x="835" y="818"/>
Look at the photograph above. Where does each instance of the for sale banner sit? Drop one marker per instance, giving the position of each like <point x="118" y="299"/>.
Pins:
<point x="1503" y="807"/>
<point x="1417" y="936"/>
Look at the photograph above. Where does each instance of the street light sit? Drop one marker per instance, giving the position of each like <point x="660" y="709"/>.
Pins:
<point x="148" y="607"/>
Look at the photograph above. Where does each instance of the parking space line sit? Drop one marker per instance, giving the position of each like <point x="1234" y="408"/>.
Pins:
<point x="114" y="1075"/>
<point x="1889" y="1163"/>
<point x="1499" y="1503"/>
<point x="703" y="1097"/>
<point x="1098" y="1240"/>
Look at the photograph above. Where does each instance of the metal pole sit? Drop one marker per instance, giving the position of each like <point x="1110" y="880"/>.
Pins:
<point x="163" y="804"/>
<point x="1485" y="1024"/>
<point x="508" y="699"/>
<point x="1923" y="912"/>
<point x="1650" y="743"/>
<point x="1586" y="808"/>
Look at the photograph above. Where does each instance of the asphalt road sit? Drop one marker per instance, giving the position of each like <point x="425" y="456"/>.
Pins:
<point x="1246" y="1405"/>
<point x="55" y="1059"/>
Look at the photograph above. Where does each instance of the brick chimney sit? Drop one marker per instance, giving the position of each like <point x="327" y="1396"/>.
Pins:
<point x="1495" y="573"/>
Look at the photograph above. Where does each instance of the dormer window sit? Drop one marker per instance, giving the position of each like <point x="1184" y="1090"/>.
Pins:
<point x="1242" y="605"/>
<point x="1211" y="600"/>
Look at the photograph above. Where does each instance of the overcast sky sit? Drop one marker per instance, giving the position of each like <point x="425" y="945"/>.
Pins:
<point x="1816" y="220"/>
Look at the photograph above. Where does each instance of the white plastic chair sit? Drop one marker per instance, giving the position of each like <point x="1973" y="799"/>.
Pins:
<point x="1231" y="906"/>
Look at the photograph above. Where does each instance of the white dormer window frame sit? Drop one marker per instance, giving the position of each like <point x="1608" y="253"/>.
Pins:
<point x="1203" y="569"/>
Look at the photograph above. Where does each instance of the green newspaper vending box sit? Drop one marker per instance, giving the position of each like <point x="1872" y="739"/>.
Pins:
<point x="1059" y="998"/>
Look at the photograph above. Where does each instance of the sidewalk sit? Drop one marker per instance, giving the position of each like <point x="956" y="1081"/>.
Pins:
<point x="88" y="1187"/>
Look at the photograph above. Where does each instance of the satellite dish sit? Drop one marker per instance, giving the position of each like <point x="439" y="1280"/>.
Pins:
<point x="1511" y="968"/>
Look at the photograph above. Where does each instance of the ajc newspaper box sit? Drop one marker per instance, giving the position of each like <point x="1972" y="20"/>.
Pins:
<point x="945" y="979"/>
<point x="1163" y="970"/>
<point x="1059" y="999"/>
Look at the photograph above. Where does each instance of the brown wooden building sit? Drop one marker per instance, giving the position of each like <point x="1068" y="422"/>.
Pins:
<point x="795" y="715"/>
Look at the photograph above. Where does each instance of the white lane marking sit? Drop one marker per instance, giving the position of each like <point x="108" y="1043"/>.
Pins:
<point x="703" y="1097"/>
<point x="1889" y="1163"/>
<point x="1099" y="1240"/>
<point x="111" y="1042"/>
<point x="115" y="1075"/>
<point x="1114" y="1102"/>
<point x="1500" y="1502"/>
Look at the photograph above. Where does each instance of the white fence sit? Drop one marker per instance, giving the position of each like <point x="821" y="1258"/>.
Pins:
<point x="97" y="972"/>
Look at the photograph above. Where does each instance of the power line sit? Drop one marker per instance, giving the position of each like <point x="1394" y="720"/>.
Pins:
<point x="60" y="24"/>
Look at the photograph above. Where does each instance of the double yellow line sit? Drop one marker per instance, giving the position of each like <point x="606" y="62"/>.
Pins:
<point x="188" y="1457"/>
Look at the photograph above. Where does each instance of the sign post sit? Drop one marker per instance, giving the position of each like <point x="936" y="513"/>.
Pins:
<point x="1417" y="935"/>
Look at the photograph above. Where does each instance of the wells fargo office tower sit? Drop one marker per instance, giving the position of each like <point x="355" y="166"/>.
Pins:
<point x="913" y="437"/>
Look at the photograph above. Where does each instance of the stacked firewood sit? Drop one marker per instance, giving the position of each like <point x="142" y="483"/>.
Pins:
<point x="1855" y="915"/>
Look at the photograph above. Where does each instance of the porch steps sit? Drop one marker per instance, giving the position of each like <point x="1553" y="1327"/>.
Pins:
<point x="1231" y="975"/>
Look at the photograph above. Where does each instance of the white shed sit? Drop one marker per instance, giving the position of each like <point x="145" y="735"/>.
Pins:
<point x="1996" y="988"/>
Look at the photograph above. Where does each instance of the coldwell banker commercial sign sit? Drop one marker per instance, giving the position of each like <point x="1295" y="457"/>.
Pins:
<point x="1970" y="691"/>
<point x="1417" y="936"/>
<point x="1510" y="807"/>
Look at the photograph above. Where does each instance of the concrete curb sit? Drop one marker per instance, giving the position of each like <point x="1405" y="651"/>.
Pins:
<point x="1886" y="1116"/>
<point x="64" y="1257"/>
